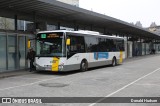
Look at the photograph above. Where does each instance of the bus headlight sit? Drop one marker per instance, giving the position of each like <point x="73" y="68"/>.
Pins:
<point x="48" y="67"/>
<point x="60" y="67"/>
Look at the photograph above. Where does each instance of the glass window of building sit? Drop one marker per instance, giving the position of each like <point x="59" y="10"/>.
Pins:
<point x="21" y="25"/>
<point x="22" y="50"/>
<point x="2" y="52"/>
<point x="29" y="26"/>
<point x="66" y="28"/>
<point x="2" y="23"/>
<point x="7" y="23"/>
<point x="51" y="27"/>
<point x="12" y="56"/>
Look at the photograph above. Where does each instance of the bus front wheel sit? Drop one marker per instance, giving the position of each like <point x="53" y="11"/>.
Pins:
<point x="83" y="66"/>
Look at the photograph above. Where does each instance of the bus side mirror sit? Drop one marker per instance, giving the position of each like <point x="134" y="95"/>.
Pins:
<point x="68" y="42"/>
<point x="29" y="44"/>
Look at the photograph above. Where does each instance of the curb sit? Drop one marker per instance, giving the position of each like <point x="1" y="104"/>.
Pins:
<point x="14" y="73"/>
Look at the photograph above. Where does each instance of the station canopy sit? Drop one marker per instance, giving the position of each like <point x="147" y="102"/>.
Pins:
<point x="61" y="11"/>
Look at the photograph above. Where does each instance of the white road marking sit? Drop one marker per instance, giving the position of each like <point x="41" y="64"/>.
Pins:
<point x="26" y="78"/>
<point x="125" y="87"/>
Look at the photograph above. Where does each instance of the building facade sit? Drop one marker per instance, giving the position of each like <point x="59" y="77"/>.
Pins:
<point x="72" y="2"/>
<point x="13" y="38"/>
<point x="155" y="29"/>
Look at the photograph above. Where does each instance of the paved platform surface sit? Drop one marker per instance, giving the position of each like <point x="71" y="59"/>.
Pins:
<point x="136" y="77"/>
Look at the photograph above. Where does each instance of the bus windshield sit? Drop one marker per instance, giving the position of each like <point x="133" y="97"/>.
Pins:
<point x="50" y="45"/>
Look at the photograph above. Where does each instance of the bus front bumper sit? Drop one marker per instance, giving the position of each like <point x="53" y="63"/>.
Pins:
<point x="49" y="68"/>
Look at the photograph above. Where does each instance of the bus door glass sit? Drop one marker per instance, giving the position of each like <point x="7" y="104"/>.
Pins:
<point x="77" y="45"/>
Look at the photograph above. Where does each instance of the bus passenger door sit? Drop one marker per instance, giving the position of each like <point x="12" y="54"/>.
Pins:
<point x="75" y="49"/>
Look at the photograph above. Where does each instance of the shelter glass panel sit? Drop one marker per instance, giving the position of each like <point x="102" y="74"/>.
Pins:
<point x="7" y="23"/>
<point x="12" y="56"/>
<point x="2" y="52"/>
<point x="22" y="51"/>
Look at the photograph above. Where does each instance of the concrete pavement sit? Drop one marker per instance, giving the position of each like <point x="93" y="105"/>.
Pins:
<point x="137" y="77"/>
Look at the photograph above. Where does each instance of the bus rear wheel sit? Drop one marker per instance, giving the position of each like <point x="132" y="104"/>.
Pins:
<point x="83" y="66"/>
<point x="114" y="62"/>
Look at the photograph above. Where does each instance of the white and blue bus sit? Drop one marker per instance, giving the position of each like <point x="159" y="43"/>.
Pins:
<point x="63" y="50"/>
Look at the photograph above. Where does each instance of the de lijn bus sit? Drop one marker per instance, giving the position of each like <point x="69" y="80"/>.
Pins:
<point x="63" y="50"/>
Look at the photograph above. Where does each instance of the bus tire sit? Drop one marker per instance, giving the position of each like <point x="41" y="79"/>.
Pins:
<point x="83" y="66"/>
<point x="114" y="61"/>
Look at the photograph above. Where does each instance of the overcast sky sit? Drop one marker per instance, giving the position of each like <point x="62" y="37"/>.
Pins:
<point x="145" y="11"/>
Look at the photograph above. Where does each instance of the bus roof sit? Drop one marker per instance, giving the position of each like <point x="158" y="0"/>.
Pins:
<point x="86" y="32"/>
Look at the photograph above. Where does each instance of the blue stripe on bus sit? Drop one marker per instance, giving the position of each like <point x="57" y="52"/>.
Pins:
<point x="100" y="55"/>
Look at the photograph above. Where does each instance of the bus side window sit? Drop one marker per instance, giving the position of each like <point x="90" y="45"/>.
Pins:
<point x="91" y="44"/>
